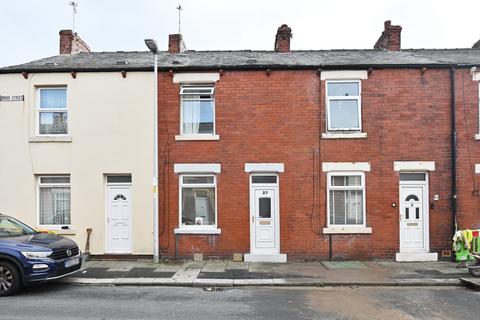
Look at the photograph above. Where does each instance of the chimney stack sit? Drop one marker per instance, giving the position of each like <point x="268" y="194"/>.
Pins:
<point x="175" y="43"/>
<point x="476" y="45"/>
<point x="282" y="39"/>
<point x="71" y="43"/>
<point x="390" y="38"/>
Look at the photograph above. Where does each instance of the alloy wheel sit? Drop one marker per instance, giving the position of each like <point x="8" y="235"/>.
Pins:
<point x="6" y="279"/>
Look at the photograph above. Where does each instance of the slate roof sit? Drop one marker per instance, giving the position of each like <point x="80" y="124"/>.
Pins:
<point x="196" y="60"/>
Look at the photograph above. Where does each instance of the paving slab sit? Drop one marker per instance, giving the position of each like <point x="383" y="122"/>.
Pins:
<point x="167" y="268"/>
<point x="122" y="266"/>
<point x="260" y="267"/>
<point x="214" y="266"/>
<point x="193" y="265"/>
<point x="186" y="275"/>
<point x="237" y="265"/>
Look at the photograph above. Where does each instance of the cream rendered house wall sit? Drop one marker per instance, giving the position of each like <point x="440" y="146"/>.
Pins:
<point x="110" y="123"/>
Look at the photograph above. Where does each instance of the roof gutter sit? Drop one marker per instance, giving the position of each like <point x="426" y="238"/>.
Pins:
<point x="239" y="68"/>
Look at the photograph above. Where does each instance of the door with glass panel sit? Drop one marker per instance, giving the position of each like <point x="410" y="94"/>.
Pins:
<point x="264" y="224"/>
<point x="119" y="214"/>
<point x="413" y="190"/>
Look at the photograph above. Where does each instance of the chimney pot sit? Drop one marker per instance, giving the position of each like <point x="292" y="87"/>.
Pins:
<point x="390" y="39"/>
<point x="282" y="39"/>
<point x="71" y="43"/>
<point x="175" y="43"/>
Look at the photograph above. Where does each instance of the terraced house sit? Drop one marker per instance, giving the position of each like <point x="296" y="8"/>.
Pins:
<point x="270" y="154"/>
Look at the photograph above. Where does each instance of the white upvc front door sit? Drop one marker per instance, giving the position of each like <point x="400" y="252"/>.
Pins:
<point x="264" y="219"/>
<point x="119" y="219"/>
<point x="412" y="207"/>
<point x="414" y="218"/>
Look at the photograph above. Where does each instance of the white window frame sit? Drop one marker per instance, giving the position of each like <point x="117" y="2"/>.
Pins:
<point x="356" y="98"/>
<point x="38" y="110"/>
<point x="182" y="88"/>
<point x="58" y="185"/>
<point x="362" y="188"/>
<point x="196" y="229"/>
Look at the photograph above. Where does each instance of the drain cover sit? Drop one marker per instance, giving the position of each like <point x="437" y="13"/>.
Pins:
<point x="212" y="289"/>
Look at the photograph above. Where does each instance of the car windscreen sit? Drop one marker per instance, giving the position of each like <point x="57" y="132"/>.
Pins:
<point x="10" y="227"/>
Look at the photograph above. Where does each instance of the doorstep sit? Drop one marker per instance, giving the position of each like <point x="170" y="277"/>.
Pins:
<point x="253" y="257"/>
<point x="416" y="257"/>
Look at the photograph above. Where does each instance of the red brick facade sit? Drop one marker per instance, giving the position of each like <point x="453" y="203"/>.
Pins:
<point x="279" y="116"/>
<point x="468" y="149"/>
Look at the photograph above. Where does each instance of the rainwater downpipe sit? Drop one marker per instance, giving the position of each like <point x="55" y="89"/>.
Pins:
<point x="454" y="148"/>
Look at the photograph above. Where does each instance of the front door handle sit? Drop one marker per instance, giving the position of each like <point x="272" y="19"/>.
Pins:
<point x="253" y="219"/>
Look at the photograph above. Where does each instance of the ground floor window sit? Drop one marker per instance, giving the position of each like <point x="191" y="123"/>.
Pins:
<point x="198" y="201"/>
<point x="54" y="200"/>
<point x="346" y="199"/>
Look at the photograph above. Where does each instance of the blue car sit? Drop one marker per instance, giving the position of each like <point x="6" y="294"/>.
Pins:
<point x="28" y="256"/>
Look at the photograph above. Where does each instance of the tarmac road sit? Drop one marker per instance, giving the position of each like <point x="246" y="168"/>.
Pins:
<point x="59" y="301"/>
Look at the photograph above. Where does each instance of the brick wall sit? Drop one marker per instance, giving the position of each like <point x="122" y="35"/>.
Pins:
<point x="468" y="150"/>
<point x="71" y="43"/>
<point x="279" y="118"/>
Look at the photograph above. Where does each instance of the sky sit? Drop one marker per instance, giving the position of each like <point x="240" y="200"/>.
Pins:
<point x="29" y="28"/>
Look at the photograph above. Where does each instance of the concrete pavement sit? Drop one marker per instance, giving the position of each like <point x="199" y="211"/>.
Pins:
<point x="228" y="273"/>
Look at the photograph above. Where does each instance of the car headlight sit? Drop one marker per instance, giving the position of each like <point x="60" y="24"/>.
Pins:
<point x="37" y="254"/>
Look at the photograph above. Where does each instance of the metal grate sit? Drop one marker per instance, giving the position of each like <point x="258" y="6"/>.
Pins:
<point x="61" y="254"/>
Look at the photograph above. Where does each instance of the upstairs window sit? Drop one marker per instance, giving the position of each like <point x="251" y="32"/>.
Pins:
<point x="344" y="105"/>
<point x="52" y="115"/>
<point x="197" y="110"/>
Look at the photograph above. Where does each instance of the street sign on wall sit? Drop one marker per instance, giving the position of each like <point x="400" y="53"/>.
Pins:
<point x="11" y="98"/>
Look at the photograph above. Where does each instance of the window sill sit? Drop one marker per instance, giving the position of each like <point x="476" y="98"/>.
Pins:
<point x="50" y="139"/>
<point x="62" y="232"/>
<point x="206" y="137"/>
<point x="342" y="135"/>
<point x="198" y="231"/>
<point x="347" y="230"/>
<point x="477" y="136"/>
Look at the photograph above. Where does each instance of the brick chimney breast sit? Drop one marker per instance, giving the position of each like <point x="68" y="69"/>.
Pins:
<point x="175" y="43"/>
<point x="71" y="43"/>
<point x="282" y="39"/>
<point x="390" y="39"/>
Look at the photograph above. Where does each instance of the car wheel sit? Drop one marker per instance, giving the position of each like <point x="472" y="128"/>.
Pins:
<point x="9" y="279"/>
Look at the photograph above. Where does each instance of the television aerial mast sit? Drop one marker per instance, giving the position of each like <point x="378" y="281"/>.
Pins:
<point x="74" y="9"/>
<point x="179" y="8"/>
